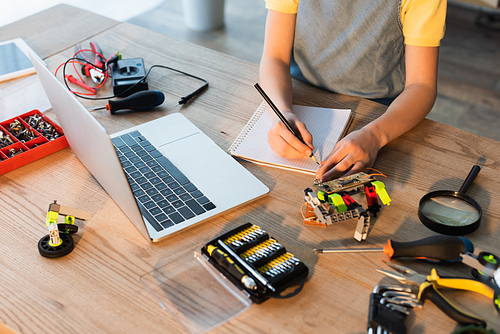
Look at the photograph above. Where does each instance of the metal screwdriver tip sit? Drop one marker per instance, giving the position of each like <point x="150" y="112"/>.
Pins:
<point x="98" y="108"/>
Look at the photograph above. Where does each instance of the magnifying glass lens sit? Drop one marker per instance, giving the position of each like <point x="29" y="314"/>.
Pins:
<point x="451" y="211"/>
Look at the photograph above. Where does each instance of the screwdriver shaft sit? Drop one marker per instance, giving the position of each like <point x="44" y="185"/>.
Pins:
<point x="347" y="250"/>
<point x="254" y="272"/>
<point x="441" y="248"/>
<point x="98" y="108"/>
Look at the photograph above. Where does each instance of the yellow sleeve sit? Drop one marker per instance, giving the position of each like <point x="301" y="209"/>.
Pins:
<point x="284" y="6"/>
<point x="423" y="21"/>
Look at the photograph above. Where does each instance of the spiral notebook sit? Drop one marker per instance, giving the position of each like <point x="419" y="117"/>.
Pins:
<point x="327" y="127"/>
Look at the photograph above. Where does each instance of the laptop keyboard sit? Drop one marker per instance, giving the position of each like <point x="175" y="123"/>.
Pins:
<point x="163" y="193"/>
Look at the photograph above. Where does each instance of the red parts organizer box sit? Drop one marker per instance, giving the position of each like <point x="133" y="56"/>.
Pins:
<point x="37" y="147"/>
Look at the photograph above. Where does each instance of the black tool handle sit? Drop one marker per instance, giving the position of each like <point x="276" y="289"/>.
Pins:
<point x="227" y="263"/>
<point x="470" y="178"/>
<point x="431" y="293"/>
<point x="439" y="248"/>
<point x="139" y="101"/>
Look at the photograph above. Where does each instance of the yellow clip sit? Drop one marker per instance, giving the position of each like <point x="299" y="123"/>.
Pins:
<point x="51" y="218"/>
<point x="69" y="220"/>
<point x="337" y="201"/>
<point x="381" y="192"/>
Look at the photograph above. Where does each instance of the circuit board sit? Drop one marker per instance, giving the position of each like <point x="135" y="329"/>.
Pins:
<point x="344" y="183"/>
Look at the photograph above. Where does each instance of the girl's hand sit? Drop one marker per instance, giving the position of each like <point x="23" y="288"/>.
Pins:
<point x="283" y="142"/>
<point x="351" y="155"/>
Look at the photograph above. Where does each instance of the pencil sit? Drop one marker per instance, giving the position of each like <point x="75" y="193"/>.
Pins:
<point x="282" y="118"/>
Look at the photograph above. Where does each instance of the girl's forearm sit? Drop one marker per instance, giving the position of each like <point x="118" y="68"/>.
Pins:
<point x="276" y="81"/>
<point x="406" y="111"/>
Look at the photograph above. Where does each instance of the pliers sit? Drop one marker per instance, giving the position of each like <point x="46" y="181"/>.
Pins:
<point x="94" y="70"/>
<point x="428" y="288"/>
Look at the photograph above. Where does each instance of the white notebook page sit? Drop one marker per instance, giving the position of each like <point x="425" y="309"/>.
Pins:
<point x="326" y="126"/>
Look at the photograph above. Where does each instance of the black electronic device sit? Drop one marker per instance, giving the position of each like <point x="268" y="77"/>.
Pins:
<point x="129" y="77"/>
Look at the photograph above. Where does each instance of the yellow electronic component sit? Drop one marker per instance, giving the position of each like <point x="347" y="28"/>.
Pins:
<point x="51" y="218"/>
<point x="337" y="201"/>
<point x="381" y="192"/>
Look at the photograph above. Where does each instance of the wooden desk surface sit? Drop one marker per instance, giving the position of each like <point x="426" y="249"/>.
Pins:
<point x="96" y="288"/>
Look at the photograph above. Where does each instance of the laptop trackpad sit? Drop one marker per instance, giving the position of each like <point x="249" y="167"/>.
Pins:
<point x="203" y="162"/>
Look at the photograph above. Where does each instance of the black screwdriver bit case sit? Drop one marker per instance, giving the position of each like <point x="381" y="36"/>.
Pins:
<point x="294" y="277"/>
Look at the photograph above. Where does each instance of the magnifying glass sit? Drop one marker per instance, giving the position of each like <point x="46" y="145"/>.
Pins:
<point x="451" y="212"/>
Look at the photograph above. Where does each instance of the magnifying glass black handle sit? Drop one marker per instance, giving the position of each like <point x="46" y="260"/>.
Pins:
<point x="470" y="178"/>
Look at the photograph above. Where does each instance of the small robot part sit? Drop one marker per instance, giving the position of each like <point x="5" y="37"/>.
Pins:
<point x="59" y="241"/>
<point x="331" y="202"/>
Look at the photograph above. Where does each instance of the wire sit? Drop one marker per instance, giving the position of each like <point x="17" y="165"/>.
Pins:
<point x="73" y="60"/>
<point x="378" y="173"/>
<point x="104" y="71"/>
<point x="188" y="97"/>
<point x="82" y="60"/>
<point x="79" y="94"/>
<point x="302" y="210"/>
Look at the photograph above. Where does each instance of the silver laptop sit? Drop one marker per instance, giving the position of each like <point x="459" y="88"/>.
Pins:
<point x="166" y="175"/>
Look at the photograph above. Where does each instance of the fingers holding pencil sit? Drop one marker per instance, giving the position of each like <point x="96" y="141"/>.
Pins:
<point x="299" y="126"/>
<point x="287" y="145"/>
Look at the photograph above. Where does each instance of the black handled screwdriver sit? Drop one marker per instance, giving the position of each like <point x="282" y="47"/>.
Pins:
<point x="140" y="101"/>
<point x="227" y="263"/>
<point x="441" y="248"/>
